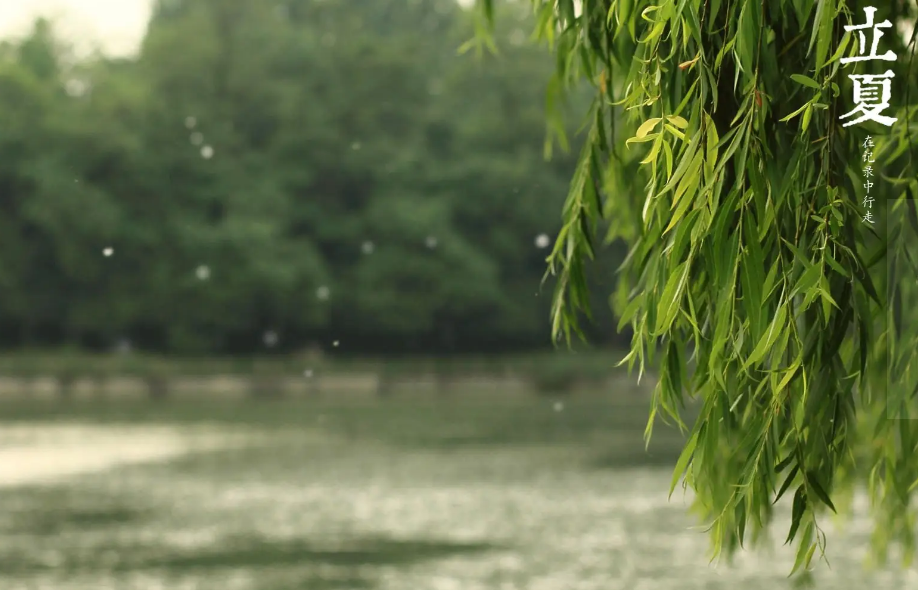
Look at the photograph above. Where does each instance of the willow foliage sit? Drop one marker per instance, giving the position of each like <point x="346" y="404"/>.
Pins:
<point x="753" y="284"/>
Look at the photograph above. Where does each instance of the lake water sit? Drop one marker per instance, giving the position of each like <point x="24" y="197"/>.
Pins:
<point x="296" y="509"/>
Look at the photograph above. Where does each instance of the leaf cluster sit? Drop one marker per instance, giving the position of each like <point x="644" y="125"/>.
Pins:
<point x="715" y="151"/>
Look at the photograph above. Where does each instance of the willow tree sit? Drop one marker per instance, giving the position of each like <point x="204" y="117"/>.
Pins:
<point x="762" y="281"/>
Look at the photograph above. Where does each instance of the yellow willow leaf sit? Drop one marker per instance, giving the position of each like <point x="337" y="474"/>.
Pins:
<point x="654" y="151"/>
<point x="678" y="121"/>
<point x="646" y="127"/>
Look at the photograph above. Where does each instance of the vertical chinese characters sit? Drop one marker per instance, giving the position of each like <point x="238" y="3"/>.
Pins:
<point x="868" y="174"/>
<point x="872" y="93"/>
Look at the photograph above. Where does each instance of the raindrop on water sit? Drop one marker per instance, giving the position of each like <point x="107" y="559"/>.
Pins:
<point x="202" y="272"/>
<point x="431" y="242"/>
<point x="323" y="292"/>
<point x="190" y="122"/>
<point x="108" y="252"/>
<point x="542" y="241"/>
<point x="270" y="338"/>
<point x="207" y="152"/>
<point x="367" y="247"/>
<point x="197" y="138"/>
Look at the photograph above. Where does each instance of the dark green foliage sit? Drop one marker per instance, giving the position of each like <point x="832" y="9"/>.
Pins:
<point x="332" y="125"/>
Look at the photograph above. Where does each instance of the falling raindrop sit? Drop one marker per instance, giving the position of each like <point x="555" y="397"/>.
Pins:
<point x="335" y="343"/>
<point x="322" y="293"/>
<point x="518" y="37"/>
<point x="270" y="338"/>
<point x="197" y="138"/>
<point x="542" y="241"/>
<point x="367" y="247"/>
<point x="190" y="122"/>
<point x="202" y="272"/>
<point x="355" y="146"/>
<point x="76" y="88"/>
<point x="559" y="406"/>
<point x="431" y="242"/>
<point x="108" y="252"/>
<point x="207" y="152"/>
<point x="307" y="373"/>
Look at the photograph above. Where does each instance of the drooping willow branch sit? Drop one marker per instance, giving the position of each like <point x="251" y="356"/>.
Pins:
<point x="738" y="192"/>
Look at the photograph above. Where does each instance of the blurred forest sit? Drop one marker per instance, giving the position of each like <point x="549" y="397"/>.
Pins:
<point x="307" y="170"/>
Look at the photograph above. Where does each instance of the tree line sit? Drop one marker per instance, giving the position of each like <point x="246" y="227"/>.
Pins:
<point x="280" y="176"/>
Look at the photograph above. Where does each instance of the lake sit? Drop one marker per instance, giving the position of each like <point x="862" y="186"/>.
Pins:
<point x="529" y="494"/>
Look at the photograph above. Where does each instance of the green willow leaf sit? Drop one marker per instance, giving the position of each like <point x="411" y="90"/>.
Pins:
<point x="787" y="482"/>
<point x="769" y="338"/>
<point x="800" y="504"/>
<point x="806" y="81"/>
<point x="682" y="464"/>
<point x="820" y="492"/>
<point x="670" y="299"/>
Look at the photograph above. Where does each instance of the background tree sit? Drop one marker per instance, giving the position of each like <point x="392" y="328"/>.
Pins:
<point x="715" y="150"/>
<point x="324" y="170"/>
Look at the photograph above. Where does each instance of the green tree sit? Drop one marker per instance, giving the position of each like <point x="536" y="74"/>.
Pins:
<point x="284" y="151"/>
<point x="715" y="149"/>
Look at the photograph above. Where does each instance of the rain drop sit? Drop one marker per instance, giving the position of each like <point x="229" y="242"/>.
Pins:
<point x="123" y="346"/>
<point x="197" y="138"/>
<point x="322" y="293"/>
<point x="335" y="343"/>
<point x="75" y="88"/>
<point x="207" y="152"/>
<point x="190" y="122"/>
<point x="355" y="146"/>
<point x="367" y="247"/>
<point x="542" y="241"/>
<point x="108" y="252"/>
<point x="202" y="272"/>
<point x="431" y="242"/>
<point x="307" y="373"/>
<point x="559" y="406"/>
<point x="270" y="338"/>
